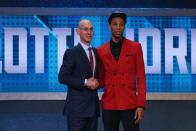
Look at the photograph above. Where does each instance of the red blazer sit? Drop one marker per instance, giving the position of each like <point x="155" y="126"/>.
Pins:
<point x="119" y="79"/>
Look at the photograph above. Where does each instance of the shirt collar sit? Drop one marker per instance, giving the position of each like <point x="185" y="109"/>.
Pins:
<point x="118" y="43"/>
<point x="84" y="46"/>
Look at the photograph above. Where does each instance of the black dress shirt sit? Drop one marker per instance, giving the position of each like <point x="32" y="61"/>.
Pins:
<point x="116" y="48"/>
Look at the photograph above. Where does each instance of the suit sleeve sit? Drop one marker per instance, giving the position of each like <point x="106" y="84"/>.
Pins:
<point x="65" y="74"/>
<point x="141" y="78"/>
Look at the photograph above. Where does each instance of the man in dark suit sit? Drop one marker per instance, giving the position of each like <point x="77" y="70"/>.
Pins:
<point x="78" y="71"/>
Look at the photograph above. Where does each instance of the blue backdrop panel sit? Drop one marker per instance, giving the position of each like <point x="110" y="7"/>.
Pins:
<point x="48" y="80"/>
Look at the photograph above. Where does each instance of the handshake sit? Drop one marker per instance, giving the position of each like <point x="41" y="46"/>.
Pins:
<point x="92" y="83"/>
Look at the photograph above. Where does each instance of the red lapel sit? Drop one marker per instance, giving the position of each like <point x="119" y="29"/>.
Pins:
<point x="122" y="54"/>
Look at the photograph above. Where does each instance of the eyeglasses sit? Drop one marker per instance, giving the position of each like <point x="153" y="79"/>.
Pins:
<point x="87" y="29"/>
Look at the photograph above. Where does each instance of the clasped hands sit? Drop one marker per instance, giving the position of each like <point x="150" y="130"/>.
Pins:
<point x="92" y="83"/>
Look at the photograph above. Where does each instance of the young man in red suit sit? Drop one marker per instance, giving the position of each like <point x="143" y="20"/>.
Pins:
<point x="122" y="74"/>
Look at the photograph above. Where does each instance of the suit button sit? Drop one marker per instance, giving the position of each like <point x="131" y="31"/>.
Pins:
<point x="123" y="74"/>
<point x="114" y="74"/>
<point x="113" y="86"/>
<point x="123" y="84"/>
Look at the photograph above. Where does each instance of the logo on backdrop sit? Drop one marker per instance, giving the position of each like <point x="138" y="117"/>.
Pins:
<point x="173" y="46"/>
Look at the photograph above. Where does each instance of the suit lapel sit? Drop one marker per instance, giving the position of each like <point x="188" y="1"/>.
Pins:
<point x="84" y="57"/>
<point x="109" y="54"/>
<point x="115" y="64"/>
<point x="96" y="60"/>
<point x="123" y="52"/>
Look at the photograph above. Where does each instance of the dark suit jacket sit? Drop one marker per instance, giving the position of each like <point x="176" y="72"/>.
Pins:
<point x="80" y="100"/>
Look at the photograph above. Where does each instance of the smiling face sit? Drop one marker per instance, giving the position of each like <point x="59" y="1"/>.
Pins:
<point x="117" y="27"/>
<point x="85" y="31"/>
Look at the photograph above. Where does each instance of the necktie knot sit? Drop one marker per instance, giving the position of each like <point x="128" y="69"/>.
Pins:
<point x="89" y="49"/>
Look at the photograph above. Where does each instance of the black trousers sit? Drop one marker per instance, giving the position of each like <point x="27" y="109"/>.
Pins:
<point x="112" y="119"/>
<point x="82" y="123"/>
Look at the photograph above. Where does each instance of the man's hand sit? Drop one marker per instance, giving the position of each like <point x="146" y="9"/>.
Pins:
<point x="139" y="115"/>
<point x="92" y="83"/>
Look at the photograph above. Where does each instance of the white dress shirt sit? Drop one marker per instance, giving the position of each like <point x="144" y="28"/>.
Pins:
<point x="85" y="47"/>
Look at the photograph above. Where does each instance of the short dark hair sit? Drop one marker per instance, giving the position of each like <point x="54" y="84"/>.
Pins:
<point x="117" y="14"/>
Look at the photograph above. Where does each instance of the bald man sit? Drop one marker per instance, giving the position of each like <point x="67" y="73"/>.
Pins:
<point x="79" y="73"/>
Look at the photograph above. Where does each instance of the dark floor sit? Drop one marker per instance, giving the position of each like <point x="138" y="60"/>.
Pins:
<point x="47" y="116"/>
